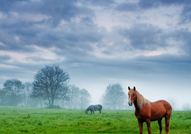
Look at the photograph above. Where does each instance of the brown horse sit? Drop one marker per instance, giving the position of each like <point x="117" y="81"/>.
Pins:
<point x="147" y="111"/>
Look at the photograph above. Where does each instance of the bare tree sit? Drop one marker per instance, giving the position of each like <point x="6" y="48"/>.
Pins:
<point x="114" y="97"/>
<point x="50" y="83"/>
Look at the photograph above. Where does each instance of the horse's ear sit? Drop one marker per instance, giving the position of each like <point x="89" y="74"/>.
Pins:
<point x="134" y="88"/>
<point x="129" y="88"/>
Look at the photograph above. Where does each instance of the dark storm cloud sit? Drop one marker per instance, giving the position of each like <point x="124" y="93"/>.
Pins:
<point x="149" y="37"/>
<point x="166" y="58"/>
<point x="6" y="5"/>
<point x="4" y="58"/>
<point x="100" y="2"/>
<point x="143" y="36"/>
<point x="185" y="36"/>
<point x="173" y="2"/>
<point x="23" y="73"/>
<point x="43" y="32"/>
<point x="143" y="5"/>
<point x="166" y="64"/>
<point x="186" y="14"/>
<point x="127" y="7"/>
<point x="57" y="10"/>
<point x="180" y="35"/>
<point x="146" y="4"/>
<point x="75" y="36"/>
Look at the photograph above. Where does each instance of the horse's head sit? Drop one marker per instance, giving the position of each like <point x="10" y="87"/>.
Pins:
<point x="132" y="95"/>
<point x="86" y="111"/>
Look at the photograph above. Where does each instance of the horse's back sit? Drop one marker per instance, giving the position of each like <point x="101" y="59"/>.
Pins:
<point x="166" y="105"/>
<point x="95" y="107"/>
<point x="160" y="109"/>
<point x="90" y="107"/>
<point x="98" y="107"/>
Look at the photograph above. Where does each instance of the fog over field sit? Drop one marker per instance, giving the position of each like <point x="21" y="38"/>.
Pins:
<point x="141" y="43"/>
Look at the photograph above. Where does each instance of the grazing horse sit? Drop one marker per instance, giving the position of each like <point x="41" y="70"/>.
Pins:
<point x="147" y="111"/>
<point x="93" y="108"/>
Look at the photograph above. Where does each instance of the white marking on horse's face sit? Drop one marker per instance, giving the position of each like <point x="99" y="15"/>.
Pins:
<point x="129" y="99"/>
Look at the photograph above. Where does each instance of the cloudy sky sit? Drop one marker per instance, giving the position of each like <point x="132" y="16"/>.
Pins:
<point x="140" y="43"/>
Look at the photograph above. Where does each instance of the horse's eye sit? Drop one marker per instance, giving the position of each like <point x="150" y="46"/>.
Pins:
<point x="133" y="94"/>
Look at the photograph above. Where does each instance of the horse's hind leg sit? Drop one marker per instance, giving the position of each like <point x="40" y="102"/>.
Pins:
<point x="160" y="125"/>
<point x="167" y="117"/>
<point x="167" y="123"/>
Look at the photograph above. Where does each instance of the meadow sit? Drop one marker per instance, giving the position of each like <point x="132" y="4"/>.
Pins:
<point x="17" y="120"/>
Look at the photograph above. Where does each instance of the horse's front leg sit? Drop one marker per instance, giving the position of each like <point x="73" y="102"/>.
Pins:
<point x="148" y="125"/>
<point x="140" y="126"/>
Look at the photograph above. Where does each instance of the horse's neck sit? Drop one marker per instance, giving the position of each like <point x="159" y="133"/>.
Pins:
<point x="141" y="101"/>
<point x="136" y="105"/>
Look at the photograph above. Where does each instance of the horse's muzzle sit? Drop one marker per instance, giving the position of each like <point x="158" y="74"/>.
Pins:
<point x="130" y="103"/>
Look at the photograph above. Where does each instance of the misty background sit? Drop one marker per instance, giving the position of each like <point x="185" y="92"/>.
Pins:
<point x="99" y="44"/>
<point x="50" y="89"/>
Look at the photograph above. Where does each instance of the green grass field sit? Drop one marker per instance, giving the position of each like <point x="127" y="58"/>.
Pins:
<point x="15" y="120"/>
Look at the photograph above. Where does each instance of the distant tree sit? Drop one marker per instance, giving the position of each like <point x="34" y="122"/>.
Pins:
<point x="50" y="83"/>
<point x="186" y="107"/>
<point x="84" y="98"/>
<point x="78" y="98"/>
<point x="27" y="93"/>
<point x="172" y="103"/>
<point x="74" y="94"/>
<point x="114" y="97"/>
<point x="2" y="97"/>
<point x="12" y="92"/>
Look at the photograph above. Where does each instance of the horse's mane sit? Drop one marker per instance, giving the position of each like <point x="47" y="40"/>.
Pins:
<point x="141" y="101"/>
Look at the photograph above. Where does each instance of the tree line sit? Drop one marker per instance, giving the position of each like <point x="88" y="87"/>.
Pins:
<point x="51" y="88"/>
